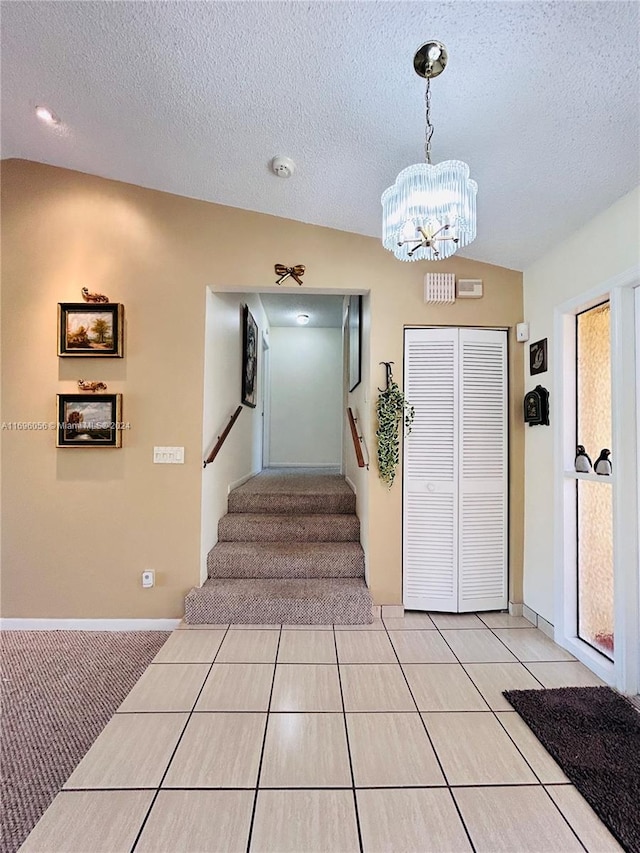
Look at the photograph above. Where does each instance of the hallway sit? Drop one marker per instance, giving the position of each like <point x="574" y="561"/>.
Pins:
<point x="392" y="736"/>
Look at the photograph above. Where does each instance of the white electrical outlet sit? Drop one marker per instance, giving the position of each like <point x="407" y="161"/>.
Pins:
<point x="148" y="579"/>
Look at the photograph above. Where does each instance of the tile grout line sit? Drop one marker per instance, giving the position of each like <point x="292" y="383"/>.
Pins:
<point x="175" y="749"/>
<point x="484" y="626"/>
<point x="500" y="723"/>
<point x="264" y="742"/>
<point x="557" y="807"/>
<point x="298" y="711"/>
<point x="522" y="663"/>
<point x="440" y="786"/>
<point x="346" y="731"/>
<point x="494" y="712"/>
<point x="465" y="672"/>
<point x="424" y="726"/>
<point x="337" y="663"/>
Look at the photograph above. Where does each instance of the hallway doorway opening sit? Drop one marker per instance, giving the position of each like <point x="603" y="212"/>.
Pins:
<point x="303" y="379"/>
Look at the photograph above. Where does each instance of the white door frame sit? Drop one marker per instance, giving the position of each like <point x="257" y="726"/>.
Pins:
<point x="624" y="672"/>
<point x="266" y="401"/>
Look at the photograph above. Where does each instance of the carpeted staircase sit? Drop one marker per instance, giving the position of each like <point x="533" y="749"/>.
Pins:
<point x="288" y="552"/>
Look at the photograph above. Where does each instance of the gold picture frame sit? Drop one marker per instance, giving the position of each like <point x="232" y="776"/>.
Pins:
<point x="89" y="420"/>
<point x="90" y="330"/>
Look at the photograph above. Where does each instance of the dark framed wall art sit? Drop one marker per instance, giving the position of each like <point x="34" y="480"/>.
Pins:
<point x="354" y="327"/>
<point x="90" y="330"/>
<point x="538" y="357"/>
<point x="249" y="359"/>
<point x="89" y="421"/>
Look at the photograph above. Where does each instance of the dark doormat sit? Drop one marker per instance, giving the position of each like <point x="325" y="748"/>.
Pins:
<point x="594" y="735"/>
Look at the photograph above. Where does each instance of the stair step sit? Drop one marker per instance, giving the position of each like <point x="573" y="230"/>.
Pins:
<point x="294" y="492"/>
<point x="286" y="560"/>
<point x="260" y="527"/>
<point x="317" y="601"/>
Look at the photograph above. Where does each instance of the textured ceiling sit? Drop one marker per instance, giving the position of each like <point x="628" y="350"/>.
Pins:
<point x="283" y="308"/>
<point x="195" y="98"/>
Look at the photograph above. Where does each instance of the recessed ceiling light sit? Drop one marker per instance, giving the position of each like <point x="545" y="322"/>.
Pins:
<point x="45" y="115"/>
<point x="303" y="319"/>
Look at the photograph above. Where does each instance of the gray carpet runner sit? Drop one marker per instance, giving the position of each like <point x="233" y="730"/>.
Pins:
<point x="288" y="552"/>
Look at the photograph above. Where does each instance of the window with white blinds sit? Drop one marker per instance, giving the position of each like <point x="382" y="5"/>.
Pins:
<point x="455" y="470"/>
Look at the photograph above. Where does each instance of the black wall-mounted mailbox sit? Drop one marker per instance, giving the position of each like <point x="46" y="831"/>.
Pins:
<point x="536" y="407"/>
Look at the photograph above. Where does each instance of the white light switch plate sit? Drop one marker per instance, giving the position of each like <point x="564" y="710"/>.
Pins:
<point x="168" y="455"/>
<point x="522" y="332"/>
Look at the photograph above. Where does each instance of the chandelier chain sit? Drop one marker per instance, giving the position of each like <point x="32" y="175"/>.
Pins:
<point x="429" y="129"/>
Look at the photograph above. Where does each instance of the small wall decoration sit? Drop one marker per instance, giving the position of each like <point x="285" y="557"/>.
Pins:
<point x="249" y="359"/>
<point x="94" y="421"/>
<point x="603" y="465"/>
<point x="354" y="326"/>
<point x="538" y="357"/>
<point x="536" y="407"/>
<point x="93" y="387"/>
<point x="90" y="330"/>
<point x="582" y="462"/>
<point x="93" y="297"/>
<point x="283" y="272"/>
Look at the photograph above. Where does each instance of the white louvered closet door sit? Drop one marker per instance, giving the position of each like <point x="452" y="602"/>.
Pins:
<point x="482" y="531"/>
<point x="430" y="535"/>
<point x="455" y="471"/>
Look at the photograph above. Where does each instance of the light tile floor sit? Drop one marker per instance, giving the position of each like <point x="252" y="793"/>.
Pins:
<point x="331" y="739"/>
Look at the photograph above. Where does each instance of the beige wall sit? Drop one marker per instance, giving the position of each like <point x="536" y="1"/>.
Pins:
<point x="359" y="402"/>
<point x="605" y="247"/>
<point x="241" y="454"/>
<point x="79" y="526"/>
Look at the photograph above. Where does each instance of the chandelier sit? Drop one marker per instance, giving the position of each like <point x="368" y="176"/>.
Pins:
<point x="430" y="211"/>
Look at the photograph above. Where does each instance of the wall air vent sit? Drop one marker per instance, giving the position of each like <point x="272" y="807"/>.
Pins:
<point x="440" y="287"/>
<point x="469" y="288"/>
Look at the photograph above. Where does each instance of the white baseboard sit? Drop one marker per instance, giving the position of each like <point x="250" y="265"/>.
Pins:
<point x="89" y="624"/>
<point x="304" y="465"/>
<point x="242" y="481"/>
<point x="545" y="627"/>
<point x="350" y="483"/>
<point x="515" y="609"/>
<point x="540" y="622"/>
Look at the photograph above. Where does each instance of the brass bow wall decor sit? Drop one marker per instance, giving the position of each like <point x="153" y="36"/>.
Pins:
<point x="296" y="273"/>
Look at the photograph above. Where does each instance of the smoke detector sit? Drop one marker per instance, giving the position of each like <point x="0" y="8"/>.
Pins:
<point x="283" y="167"/>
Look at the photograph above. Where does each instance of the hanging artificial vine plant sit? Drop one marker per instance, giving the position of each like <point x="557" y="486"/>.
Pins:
<point x="392" y="407"/>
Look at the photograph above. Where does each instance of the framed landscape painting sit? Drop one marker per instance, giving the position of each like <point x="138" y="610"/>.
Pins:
<point x="249" y="359"/>
<point x="90" y="330"/>
<point x="89" y="421"/>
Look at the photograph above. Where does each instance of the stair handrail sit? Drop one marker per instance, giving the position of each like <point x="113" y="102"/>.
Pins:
<point x="222" y="438"/>
<point x="357" y="439"/>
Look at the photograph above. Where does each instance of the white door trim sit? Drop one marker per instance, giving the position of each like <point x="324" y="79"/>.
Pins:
<point x="266" y="401"/>
<point x="624" y="673"/>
